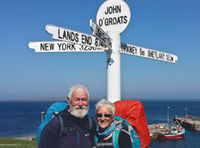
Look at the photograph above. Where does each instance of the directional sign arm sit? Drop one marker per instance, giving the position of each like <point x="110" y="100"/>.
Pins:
<point x="99" y="33"/>
<point x="68" y="35"/>
<point x="60" y="46"/>
<point x="148" y="53"/>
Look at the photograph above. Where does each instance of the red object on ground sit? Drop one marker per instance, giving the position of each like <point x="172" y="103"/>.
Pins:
<point x="133" y="111"/>
<point x="156" y="125"/>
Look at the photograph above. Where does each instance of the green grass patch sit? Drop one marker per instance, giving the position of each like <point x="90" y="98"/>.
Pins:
<point x="17" y="143"/>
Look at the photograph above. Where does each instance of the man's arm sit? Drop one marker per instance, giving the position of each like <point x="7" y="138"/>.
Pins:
<point x="50" y="134"/>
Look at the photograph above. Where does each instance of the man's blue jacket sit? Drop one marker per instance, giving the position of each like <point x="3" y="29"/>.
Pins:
<point x="77" y="132"/>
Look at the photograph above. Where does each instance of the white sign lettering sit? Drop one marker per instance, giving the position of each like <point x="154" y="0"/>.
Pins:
<point x="148" y="53"/>
<point x="58" y="46"/>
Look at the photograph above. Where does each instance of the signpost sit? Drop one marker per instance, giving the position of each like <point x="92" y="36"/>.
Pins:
<point x="112" y="18"/>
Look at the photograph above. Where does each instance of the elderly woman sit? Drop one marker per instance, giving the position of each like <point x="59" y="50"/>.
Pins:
<point x="105" y="115"/>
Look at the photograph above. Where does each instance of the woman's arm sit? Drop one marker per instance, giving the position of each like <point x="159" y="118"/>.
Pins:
<point x="124" y="140"/>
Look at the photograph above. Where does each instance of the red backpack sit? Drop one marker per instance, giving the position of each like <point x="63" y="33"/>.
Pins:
<point x="133" y="112"/>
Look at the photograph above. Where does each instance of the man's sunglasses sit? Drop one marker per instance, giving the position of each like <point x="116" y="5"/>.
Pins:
<point x="105" y="115"/>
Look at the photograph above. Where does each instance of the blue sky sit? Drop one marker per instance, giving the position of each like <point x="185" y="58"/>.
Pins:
<point x="171" y="26"/>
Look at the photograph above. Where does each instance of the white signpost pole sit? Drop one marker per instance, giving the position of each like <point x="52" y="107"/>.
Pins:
<point x="114" y="70"/>
<point x="113" y="17"/>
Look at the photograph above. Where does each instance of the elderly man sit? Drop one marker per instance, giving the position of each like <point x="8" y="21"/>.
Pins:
<point x="71" y="128"/>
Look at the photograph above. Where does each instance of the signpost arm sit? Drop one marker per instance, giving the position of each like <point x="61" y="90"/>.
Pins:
<point x="99" y="33"/>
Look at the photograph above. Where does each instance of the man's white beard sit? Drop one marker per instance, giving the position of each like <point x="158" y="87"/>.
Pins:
<point x="79" y="112"/>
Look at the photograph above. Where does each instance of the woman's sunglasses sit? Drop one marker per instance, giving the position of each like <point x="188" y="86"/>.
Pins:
<point x="98" y="115"/>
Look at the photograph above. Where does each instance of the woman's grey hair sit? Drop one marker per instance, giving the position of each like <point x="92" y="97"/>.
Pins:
<point x="104" y="102"/>
<point x="77" y="87"/>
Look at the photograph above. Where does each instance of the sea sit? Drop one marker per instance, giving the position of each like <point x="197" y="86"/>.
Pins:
<point x="22" y="118"/>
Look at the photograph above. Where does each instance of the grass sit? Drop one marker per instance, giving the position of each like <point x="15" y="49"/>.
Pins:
<point x="17" y="143"/>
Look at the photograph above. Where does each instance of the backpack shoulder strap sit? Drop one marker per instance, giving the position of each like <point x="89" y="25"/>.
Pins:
<point x="95" y="140"/>
<point x="90" y="122"/>
<point x="61" y="124"/>
<point x="115" y="135"/>
<point x="64" y="129"/>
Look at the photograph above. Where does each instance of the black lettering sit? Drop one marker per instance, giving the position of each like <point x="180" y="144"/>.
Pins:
<point x="129" y="49"/>
<point x="47" y="46"/>
<point x="59" y="45"/>
<point x="81" y="48"/>
<point x="115" y="20"/>
<point x="68" y="35"/>
<point x="59" y="36"/>
<point x="156" y="55"/>
<point x="106" y="22"/>
<point x="125" y="19"/>
<point x="100" y="22"/>
<point x="142" y="53"/>
<point x="66" y="46"/>
<point x="113" y="9"/>
<point x="73" y="46"/>
<point x="161" y="56"/>
<point x="169" y="58"/>
<point x="153" y="54"/>
<point x="86" y="40"/>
